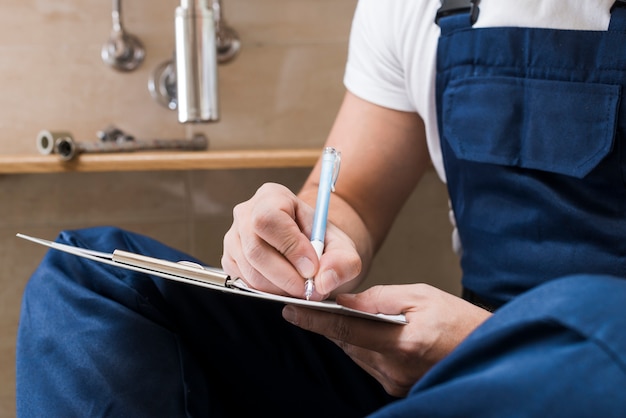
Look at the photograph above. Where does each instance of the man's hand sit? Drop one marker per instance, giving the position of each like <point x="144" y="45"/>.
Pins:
<point x="396" y="355"/>
<point x="268" y="246"/>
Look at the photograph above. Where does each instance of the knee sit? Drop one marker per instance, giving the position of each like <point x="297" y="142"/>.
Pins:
<point x="100" y="238"/>
<point x="72" y="279"/>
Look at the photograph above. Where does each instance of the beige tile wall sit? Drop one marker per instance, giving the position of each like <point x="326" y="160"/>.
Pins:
<point x="282" y="91"/>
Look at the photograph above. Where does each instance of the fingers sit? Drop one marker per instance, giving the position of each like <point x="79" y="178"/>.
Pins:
<point x="266" y="247"/>
<point x="387" y="299"/>
<point x="365" y="333"/>
<point x="281" y="230"/>
<point x="236" y="265"/>
<point x="377" y="366"/>
<point x="369" y="343"/>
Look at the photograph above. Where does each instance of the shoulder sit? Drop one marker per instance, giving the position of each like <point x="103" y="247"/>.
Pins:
<point x="393" y="18"/>
<point x="386" y="38"/>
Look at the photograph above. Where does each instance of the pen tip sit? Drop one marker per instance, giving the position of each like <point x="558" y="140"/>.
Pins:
<point x="308" y="289"/>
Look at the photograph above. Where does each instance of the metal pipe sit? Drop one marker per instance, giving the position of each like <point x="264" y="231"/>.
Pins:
<point x="46" y="140"/>
<point x="68" y="149"/>
<point x="190" y="65"/>
<point x="196" y="62"/>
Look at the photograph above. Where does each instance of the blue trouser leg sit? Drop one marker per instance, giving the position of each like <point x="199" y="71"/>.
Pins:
<point x="557" y="351"/>
<point x="96" y="340"/>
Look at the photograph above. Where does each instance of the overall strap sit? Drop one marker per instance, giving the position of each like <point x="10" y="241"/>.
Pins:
<point x="464" y="13"/>
<point x="458" y="14"/>
<point x="618" y="16"/>
<point x="452" y="7"/>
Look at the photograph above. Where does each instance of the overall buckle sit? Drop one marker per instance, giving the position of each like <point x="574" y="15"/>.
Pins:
<point x="452" y="7"/>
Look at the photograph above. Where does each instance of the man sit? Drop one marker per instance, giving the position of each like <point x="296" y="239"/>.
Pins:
<point x="527" y="120"/>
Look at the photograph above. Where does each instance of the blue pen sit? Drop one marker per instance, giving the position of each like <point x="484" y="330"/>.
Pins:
<point x="331" y="159"/>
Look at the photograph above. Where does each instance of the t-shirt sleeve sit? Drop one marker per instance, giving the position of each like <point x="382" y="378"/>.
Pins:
<point x="373" y="70"/>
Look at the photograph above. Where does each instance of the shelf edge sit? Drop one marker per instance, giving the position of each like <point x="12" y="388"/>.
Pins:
<point x="161" y="160"/>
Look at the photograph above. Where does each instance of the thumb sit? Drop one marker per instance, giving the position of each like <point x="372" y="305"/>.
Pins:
<point x="340" y="263"/>
<point x="388" y="299"/>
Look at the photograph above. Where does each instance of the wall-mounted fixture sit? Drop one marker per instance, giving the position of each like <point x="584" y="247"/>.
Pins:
<point x="196" y="62"/>
<point x="189" y="81"/>
<point x="112" y="140"/>
<point x="228" y="43"/>
<point x="122" y="51"/>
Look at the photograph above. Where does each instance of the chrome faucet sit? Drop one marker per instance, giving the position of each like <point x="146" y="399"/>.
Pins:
<point x="189" y="81"/>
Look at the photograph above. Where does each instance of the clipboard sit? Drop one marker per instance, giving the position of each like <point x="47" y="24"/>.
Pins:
<point x="202" y="276"/>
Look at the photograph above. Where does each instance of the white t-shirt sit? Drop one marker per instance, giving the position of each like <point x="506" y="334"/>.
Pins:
<point x="391" y="59"/>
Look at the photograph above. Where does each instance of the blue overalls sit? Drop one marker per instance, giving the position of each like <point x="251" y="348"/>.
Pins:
<point x="532" y="131"/>
<point x="533" y="137"/>
<point x="535" y="170"/>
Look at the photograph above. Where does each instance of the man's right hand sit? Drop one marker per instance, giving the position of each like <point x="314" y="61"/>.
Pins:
<point x="268" y="246"/>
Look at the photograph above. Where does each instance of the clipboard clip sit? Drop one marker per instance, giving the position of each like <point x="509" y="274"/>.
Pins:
<point x="233" y="283"/>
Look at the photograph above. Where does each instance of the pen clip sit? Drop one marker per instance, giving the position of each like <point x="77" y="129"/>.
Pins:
<point x="336" y="167"/>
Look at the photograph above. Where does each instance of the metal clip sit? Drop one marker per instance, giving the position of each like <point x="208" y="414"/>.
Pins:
<point x="452" y="7"/>
<point x="336" y="167"/>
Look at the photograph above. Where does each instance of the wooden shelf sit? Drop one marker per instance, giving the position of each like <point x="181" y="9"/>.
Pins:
<point x="161" y="160"/>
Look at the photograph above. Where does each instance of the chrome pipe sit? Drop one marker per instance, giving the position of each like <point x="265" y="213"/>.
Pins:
<point x="68" y="149"/>
<point x="196" y="62"/>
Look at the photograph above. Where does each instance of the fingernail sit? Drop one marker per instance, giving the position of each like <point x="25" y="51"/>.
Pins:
<point x="289" y="313"/>
<point x="305" y="267"/>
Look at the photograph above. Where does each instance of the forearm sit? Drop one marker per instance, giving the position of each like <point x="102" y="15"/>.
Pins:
<point x="384" y="155"/>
